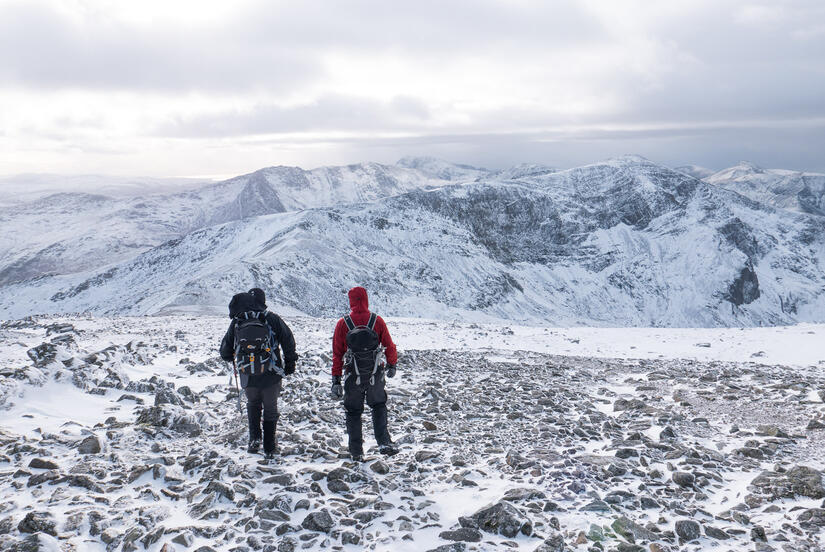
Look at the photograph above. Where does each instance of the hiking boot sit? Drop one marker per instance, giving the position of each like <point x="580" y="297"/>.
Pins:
<point x="269" y="455"/>
<point x="388" y="450"/>
<point x="254" y="446"/>
<point x="357" y="457"/>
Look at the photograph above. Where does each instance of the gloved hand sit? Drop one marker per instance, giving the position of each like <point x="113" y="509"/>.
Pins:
<point x="390" y="370"/>
<point x="289" y="367"/>
<point x="337" y="388"/>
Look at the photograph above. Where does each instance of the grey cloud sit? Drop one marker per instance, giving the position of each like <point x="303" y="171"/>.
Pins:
<point x="42" y="48"/>
<point x="330" y="113"/>
<point x="272" y="46"/>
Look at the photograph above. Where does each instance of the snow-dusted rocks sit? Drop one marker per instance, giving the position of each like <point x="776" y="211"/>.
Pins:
<point x="534" y="458"/>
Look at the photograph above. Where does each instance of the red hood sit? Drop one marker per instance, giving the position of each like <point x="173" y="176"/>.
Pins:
<point x="358" y="301"/>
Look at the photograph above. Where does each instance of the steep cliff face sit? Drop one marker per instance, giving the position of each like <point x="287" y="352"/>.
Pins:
<point x="624" y="242"/>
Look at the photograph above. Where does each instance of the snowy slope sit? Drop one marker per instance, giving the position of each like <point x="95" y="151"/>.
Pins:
<point x="796" y="191"/>
<point x="624" y="242"/>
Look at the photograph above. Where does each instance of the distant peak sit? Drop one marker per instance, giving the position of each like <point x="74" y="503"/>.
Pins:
<point x="439" y="168"/>
<point x="747" y="165"/>
<point x="629" y="159"/>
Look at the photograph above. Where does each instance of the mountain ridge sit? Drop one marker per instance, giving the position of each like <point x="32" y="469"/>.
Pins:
<point x="621" y="242"/>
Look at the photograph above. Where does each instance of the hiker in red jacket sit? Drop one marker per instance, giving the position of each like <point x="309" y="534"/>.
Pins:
<point x="360" y="341"/>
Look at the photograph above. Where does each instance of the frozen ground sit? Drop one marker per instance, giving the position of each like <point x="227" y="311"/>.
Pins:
<point x="582" y="439"/>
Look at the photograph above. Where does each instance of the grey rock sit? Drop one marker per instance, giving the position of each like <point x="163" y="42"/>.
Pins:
<point x="31" y="543"/>
<point x="621" y="405"/>
<point x="812" y="518"/>
<point x="464" y="534"/>
<point x="166" y="395"/>
<point x="454" y="547"/>
<point x="815" y="424"/>
<point x="648" y="503"/>
<point x="632" y="531"/>
<point x="43" y="464"/>
<point x="595" y="506"/>
<point x="89" y="445"/>
<point x="184" y="539"/>
<point x="220" y="489"/>
<point x="424" y="455"/>
<point x="626" y="453"/>
<point x="380" y="467"/>
<point x="716" y="533"/>
<point x="320" y="521"/>
<point x="687" y="529"/>
<point x="501" y="518"/>
<point x="43" y="354"/>
<point x="337" y="486"/>
<point x="628" y="547"/>
<point x="348" y="537"/>
<point x="797" y="481"/>
<point x="38" y="522"/>
<point x="521" y="494"/>
<point x="171" y="417"/>
<point x="43" y="477"/>
<point x="758" y="534"/>
<point x="554" y="543"/>
<point x="683" y="479"/>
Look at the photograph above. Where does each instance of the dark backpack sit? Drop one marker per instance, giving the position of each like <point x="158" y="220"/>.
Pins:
<point x="254" y="344"/>
<point x="364" y="349"/>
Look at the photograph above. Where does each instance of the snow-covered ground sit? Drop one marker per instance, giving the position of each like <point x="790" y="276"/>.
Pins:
<point x="576" y="434"/>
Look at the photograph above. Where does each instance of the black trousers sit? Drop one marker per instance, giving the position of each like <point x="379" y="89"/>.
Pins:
<point x="375" y="396"/>
<point x="262" y="398"/>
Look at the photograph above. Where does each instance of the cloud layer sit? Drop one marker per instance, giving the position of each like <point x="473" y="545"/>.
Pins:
<point x="175" y="88"/>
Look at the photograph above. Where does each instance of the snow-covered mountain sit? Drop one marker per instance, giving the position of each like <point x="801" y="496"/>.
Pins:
<point x="442" y="170"/>
<point x="797" y="191"/>
<point x="67" y="233"/>
<point x="623" y="242"/>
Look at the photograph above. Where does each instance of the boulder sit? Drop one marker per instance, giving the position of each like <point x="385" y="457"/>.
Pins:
<point x="797" y="481"/>
<point x="43" y="354"/>
<point x="38" y="522"/>
<point x="813" y="518"/>
<point x="43" y="464"/>
<point x="553" y="543"/>
<point x="683" y="479"/>
<point x="319" y="521"/>
<point x="501" y="518"/>
<point x="687" y="529"/>
<point x="89" y="445"/>
<point x="632" y="531"/>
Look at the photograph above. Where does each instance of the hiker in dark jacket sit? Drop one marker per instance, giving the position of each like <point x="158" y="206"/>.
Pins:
<point x="364" y="381"/>
<point x="262" y="390"/>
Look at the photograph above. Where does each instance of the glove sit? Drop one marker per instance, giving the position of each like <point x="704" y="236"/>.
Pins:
<point x="337" y="388"/>
<point x="390" y="370"/>
<point x="289" y="367"/>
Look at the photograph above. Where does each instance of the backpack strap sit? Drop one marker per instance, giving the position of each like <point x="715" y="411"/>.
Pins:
<point x="348" y="322"/>
<point x="371" y="323"/>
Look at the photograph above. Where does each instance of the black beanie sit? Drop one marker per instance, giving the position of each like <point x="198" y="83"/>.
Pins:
<point x="259" y="295"/>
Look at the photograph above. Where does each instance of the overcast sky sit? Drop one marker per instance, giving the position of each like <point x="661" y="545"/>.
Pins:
<point x="179" y="88"/>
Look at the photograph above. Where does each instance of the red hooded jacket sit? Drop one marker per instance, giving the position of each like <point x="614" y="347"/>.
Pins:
<point x="360" y="314"/>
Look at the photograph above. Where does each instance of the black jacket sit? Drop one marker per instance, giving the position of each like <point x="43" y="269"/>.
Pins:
<point x="285" y="339"/>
